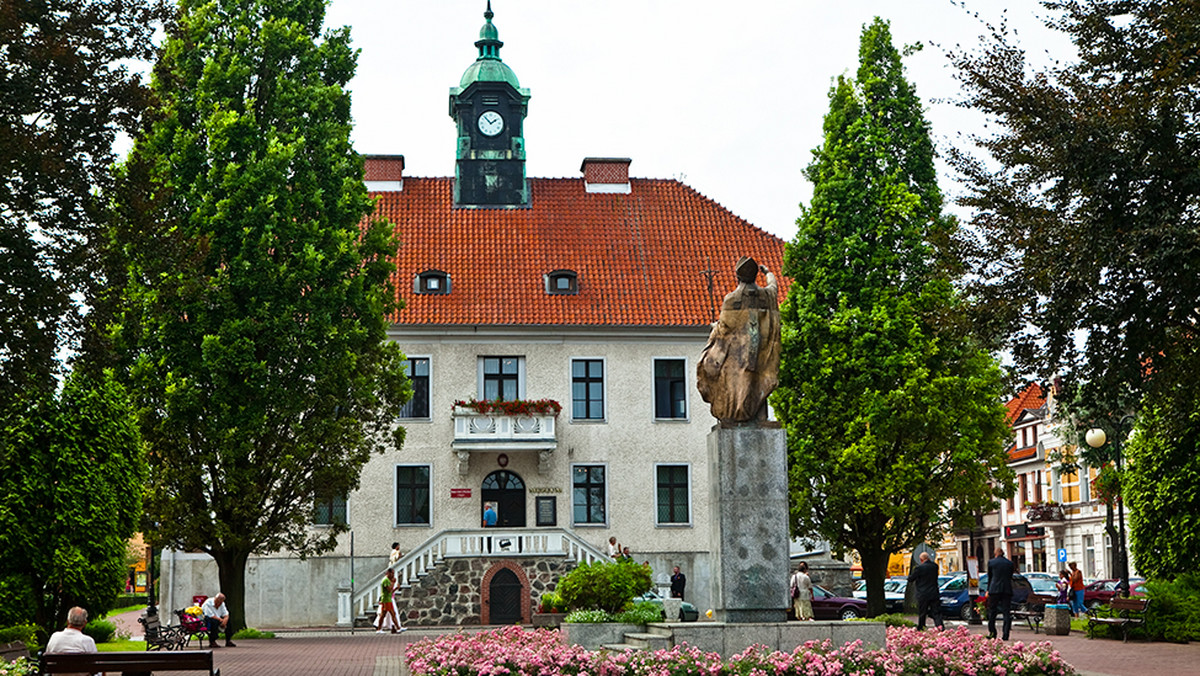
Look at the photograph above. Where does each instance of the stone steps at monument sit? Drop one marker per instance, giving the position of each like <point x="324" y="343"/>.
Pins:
<point x="660" y="630"/>
<point x="647" y="641"/>
<point x="619" y="647"/>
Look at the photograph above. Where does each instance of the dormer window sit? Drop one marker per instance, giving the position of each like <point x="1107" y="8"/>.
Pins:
<point x="432" y="283"/>
<point x="562" y="282"/>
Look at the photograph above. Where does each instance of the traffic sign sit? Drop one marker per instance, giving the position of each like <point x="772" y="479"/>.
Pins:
<point x="1062" y="554"/>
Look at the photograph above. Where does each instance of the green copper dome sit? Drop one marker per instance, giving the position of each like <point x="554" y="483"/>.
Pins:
<point x="488" y="67"/>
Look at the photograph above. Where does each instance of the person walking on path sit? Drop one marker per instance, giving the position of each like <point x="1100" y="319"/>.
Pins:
<point x="802" y="593"/>
<point x="1063" y="585"/>
<point x="1077" y="586"/>
<point x="678" y="582"/>
<point x="216" y="617"/>
<point x="924" y="579"/>
<point x="387" y="607"/>
<point x="1000" y="591"/>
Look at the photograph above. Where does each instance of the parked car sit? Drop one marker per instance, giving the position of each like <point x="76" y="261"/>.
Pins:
<point x="956" y="599"/>
<point x="688" y="612"/>
<point x="1099" y="593"/>
<point x="827" y="606"/>
<point x="1023" y="588"/>
<point x="893" y="593"/>
<point x="1041" y="576"/>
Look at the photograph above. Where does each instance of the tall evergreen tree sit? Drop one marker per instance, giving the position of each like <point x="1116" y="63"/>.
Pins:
<point x="893" y="413"/>
<point x="72" y="469"/>
<point x="257" y="298"/>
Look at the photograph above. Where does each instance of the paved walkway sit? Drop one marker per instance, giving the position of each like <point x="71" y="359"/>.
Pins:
<point x="338" y="653"/>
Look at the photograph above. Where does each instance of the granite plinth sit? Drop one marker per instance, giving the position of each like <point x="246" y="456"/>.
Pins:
<point x="748" y="470"/>
<point x="731" y="639"/>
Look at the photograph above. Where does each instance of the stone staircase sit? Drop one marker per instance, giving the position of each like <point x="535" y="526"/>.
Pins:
<point x="656" y="637"/>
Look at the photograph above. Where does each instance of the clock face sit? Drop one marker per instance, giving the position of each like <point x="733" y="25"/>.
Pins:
<point x="491" y="123"/>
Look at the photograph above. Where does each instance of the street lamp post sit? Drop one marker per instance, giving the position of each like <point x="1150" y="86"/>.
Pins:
<point x="1096" y="438"/>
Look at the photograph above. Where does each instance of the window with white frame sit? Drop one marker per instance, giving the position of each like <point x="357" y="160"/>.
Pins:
<point x="413" y="505"/>
<point x="587" y="389"/>
<point x="674" y="494"/>
<point x="670" y="389"/>
<point x="330" y="511"/>
<point x="1089" y="555"/>
<point x="589" y="494"/>
<point x="418" y="375"/>
<point x="501" y="378"/>
<point x="1070" y="486"/>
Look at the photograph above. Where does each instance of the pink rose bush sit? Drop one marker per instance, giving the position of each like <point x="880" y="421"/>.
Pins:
<point x="513" y="651"/>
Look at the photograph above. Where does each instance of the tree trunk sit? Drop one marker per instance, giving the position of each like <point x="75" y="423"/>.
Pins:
<point x="231" y="571"/>
<point x="874" y="565"/>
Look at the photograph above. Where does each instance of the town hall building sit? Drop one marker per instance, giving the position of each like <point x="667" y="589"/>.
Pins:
<point x="552" y="328"/>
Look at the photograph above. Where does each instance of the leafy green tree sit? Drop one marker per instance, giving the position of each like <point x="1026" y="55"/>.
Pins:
<point x="1161" y="482"/>
<point x="72" y="469"/>
<point x="1084" y="195"/>
<point x="257" y="296"/>
<point x="893" y="413"/>
<point x="66" y="91"/>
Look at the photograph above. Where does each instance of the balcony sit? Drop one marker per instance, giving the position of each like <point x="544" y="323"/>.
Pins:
<point x="517" y="427"/>
<point x="1044" y="511"/>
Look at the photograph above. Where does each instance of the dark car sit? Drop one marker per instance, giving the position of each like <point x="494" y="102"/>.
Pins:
<point x="827" y="606"/>
<point x="688" y="613"/>
<point x="956" y="599"/>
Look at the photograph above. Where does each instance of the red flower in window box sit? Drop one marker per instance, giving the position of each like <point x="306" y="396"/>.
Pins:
<point x="513" y="407"/>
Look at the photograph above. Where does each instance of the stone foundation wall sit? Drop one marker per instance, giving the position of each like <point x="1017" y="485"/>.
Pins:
<point x="453" y="593"/>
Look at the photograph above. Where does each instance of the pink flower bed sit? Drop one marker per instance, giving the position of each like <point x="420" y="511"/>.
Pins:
<point x="513" y="651"/>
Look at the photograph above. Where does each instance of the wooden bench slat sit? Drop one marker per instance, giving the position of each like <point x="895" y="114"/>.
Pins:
<point x="181" y="660"/>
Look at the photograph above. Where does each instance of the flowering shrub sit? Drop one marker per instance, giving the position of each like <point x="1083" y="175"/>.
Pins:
<point x="519" y="407"/>
<point x="512" y="651"/>
<point x="22" y="666"/>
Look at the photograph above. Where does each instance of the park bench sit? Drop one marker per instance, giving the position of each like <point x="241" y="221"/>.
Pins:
<point x="11" y="652"/>
<point x="1121" y="613"/>
<point x="1033" y="611"/>
<point x="191" y="626"/>
<point x="129" y="663"/>
<point x="159" y="637"/>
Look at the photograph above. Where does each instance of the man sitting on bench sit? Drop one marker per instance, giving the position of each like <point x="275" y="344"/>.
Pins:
<point x="72" y="639"/>
<point x="216" y="616"/>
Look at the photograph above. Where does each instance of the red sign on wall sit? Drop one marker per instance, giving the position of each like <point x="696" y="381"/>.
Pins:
<point x="460" y="492"/>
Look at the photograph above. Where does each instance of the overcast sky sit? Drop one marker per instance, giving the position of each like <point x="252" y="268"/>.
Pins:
<point x="728" y="97"/>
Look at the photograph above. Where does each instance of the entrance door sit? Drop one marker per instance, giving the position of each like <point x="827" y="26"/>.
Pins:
<point x="504" y="594"/>
<point x="507" y="491"/>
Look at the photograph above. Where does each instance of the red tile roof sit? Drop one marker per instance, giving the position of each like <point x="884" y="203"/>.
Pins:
<point x="640" y="257"/>
<point x="1032" y="397"/>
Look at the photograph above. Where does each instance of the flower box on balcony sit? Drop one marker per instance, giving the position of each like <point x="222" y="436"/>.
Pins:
<point x="1044" y="511"/>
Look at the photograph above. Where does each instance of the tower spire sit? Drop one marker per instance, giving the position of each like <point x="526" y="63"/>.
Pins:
<point x="489" y="38"/>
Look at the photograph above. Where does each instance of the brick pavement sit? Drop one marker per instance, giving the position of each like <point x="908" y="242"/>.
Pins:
<point x="333" y="653"/>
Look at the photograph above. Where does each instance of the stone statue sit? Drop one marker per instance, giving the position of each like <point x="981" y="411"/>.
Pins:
<point x="740" y="365"/>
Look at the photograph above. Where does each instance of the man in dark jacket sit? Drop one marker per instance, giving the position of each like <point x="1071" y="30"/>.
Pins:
<point x="678" y="582"/>
<point x="1000" y="591"/>
<point x="924" y="579"/>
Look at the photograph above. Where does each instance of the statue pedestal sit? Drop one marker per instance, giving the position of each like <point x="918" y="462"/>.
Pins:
<point x="748" y="473"/>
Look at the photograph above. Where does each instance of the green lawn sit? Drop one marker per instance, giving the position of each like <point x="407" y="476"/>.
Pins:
<point x="117" y="646"/>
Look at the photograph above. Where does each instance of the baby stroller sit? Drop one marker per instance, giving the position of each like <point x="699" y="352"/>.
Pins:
<point x="192" y="625"/>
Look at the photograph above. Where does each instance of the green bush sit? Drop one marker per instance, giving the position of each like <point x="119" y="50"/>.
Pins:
<point x="1174" y="612"/>
<point x="551" y="601"/>
<point x="587" y="617"/>
<point x="101" y="631"/>
<point x="604" y="586"/>
<point x="889" y="619"/>
<point x="640" y="613"/>
<point x="25" y="633"/>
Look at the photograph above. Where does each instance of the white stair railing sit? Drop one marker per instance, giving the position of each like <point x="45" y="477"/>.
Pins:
<point x="467" y="543"/>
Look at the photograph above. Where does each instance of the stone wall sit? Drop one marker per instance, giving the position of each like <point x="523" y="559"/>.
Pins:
<point x="454" y="593"/>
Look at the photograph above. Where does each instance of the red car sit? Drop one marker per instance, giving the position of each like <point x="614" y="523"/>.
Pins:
<point x="1099" y="593"/>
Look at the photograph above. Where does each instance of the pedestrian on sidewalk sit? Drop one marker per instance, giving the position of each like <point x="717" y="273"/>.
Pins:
<point x="924" y="579"/>
<point x="802" y="593"/>
<point x="1000" y="591"/>
<point x="1077" y="586"/>
<point x="387" y="606"/>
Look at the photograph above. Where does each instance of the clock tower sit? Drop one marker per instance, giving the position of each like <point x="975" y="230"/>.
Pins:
<point x="489" y="108"/>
